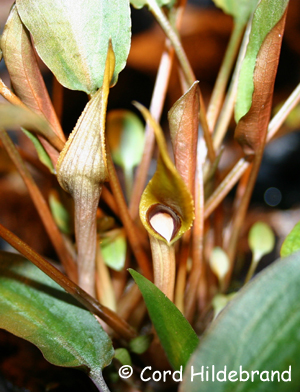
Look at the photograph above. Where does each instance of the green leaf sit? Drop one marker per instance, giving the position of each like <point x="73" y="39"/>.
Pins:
<point x="261" y="240"/>
<point x="220" y="301"/>
<point x="161" y="3"/>
<point x="267" y="14"/>
<point x="35" y="308"/>
<point x="240" y="10"/>
<point x="42" y="154"/>
<point x="166" y="192"/>
<point x="219" y="262"/>
<point x="125" y="137"/>
<point x="71" y="37"/>
<point x="292" y="242"/>
<point x="258" y="330"/>
<point x="60" y="213"/>
<point x="113" y="249"/>
<point x="176" y="335"/>
<point x="140" y="344"/>
<point x="123" y="356"/>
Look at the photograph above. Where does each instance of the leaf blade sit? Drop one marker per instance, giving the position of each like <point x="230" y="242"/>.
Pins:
<point x="239" y="9"/>
<point x="84" y="30"/>
<point x="13" y="117"/>
<point x="266" y="312"/>
<point x="291" y="243"/>
<point x="37" y="309"/>
<point x="267" y="14"/>
<point x="177" y="336"/>
<point x="183" y="121"/>
<point x="25" y="74"/>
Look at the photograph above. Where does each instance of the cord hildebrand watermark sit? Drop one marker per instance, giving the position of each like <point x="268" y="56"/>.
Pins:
<point x="210" y="374"/>
<point x="207" y="373"/>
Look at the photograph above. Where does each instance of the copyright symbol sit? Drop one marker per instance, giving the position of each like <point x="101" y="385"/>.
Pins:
<point x="125" y="371"/>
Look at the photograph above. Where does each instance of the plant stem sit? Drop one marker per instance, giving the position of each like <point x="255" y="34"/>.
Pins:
<point x="186" y="68"/>
<point x="10" y="96"/>
<point x="105" y="292"/>
<point x="98" y="380"/>
<point x="129" y="226"/>
<point x="181" y="273"/>
<point x="251" y="270"/>
<point x="129" y="301"/>
<point x="284" y="111"/>
<point x="164" y="266"/>
<point x="241" y="166"/>
<point x="112" y="319"/>
<point x="41" y="206"/>
<point x="222" y="78"/>
<point x="85" y="211"/>
<point x="109" y="200"/>
<point x="173" y="37"/>
<point x="227" y="109"/>
<point x="225" y="187"/>
<point x="241" y="207"/>
<point x="198" y="266"/>
<point x="128" y="177"/>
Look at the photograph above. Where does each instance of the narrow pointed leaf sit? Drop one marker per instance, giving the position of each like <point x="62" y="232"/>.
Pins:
<point x="35" y="308"/>
<point x="83" y="29"/>
<point x="42" y="154"/>
<point x="240" y="10"/>
<point x="81" y="171"/>
<point x="292" y="242"/>
<point x="176" y="335"/>
<point x="25" y="75"/>
<point x="183" y="122"/>
<point x="166" y="193"/>
<point x="258" y="331"/>
<point x="258" y="72"/>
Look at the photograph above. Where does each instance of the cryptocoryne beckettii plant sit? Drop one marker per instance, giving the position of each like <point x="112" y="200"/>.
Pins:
<point x="143" y="269"/>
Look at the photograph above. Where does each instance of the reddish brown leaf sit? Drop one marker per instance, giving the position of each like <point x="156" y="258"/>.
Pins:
<point x="183" y="120"/>
<point x="252" y="129"/>
<point x="26" y="77"/>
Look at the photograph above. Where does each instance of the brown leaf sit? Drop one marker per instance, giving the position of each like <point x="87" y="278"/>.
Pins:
<point x="26" y="77"/>
<point x="252" y="129"/>
<point x="183" y="121"/>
